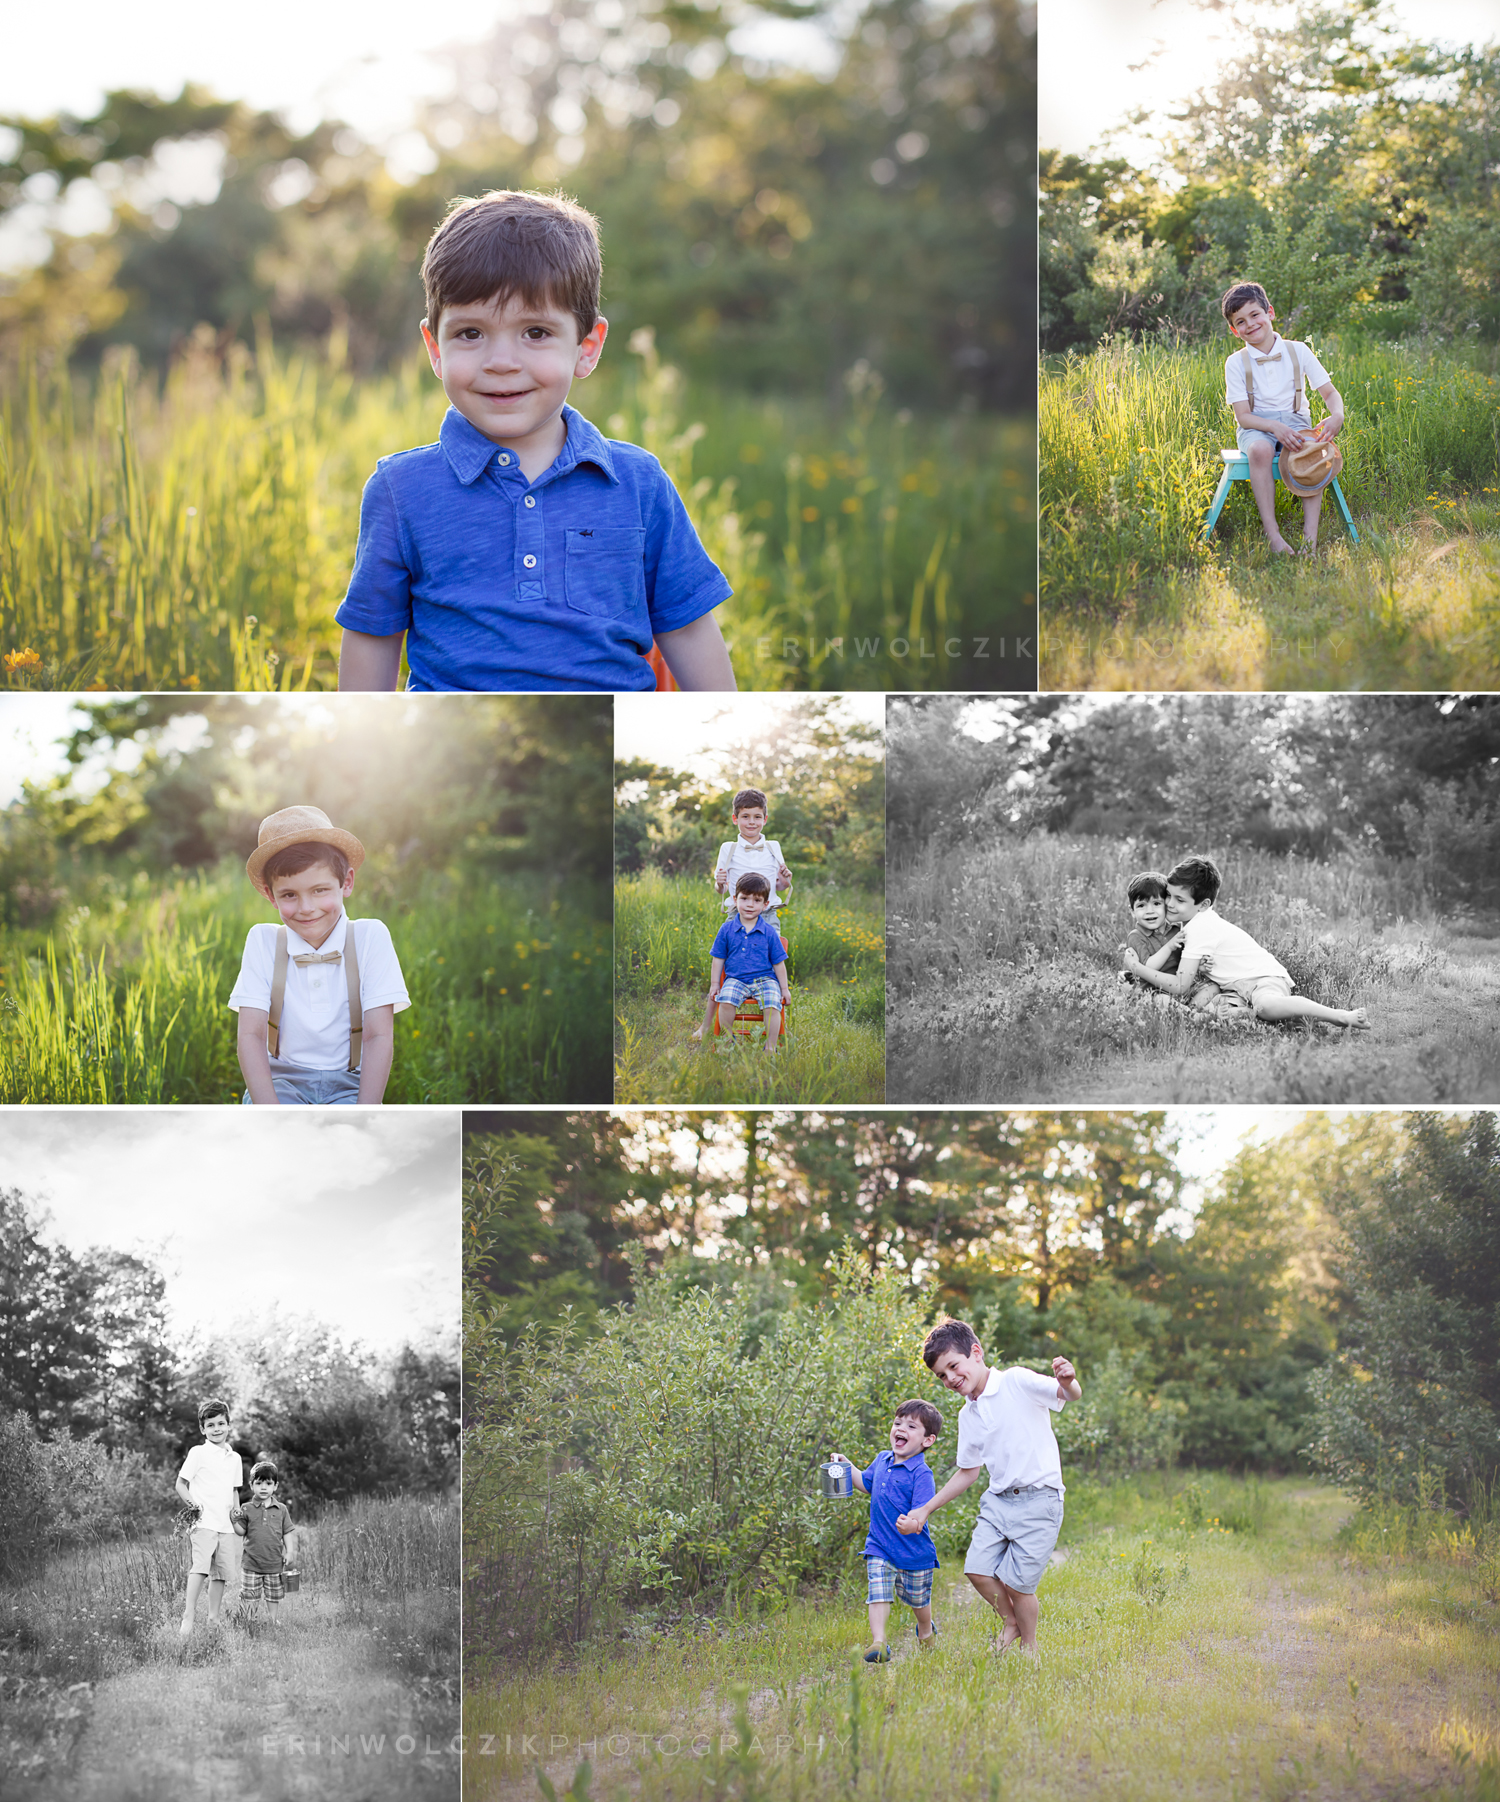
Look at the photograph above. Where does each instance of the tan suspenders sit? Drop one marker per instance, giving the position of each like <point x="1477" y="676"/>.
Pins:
<point x="278" y="994"/>
<point x="1299" y="387"/>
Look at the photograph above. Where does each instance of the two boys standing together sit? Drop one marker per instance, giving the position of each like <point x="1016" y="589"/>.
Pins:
<point x="255" y="1543"/>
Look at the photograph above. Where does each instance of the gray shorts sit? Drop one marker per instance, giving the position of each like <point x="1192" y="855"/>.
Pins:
<point x="313" y="1088"/>
<point x="215" y="1555"/>
<point x="1246" y="436"/>
<point x="1014" y="1536"/>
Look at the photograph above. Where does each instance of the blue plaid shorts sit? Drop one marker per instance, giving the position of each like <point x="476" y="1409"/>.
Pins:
<point x="255" y="1583"/>
<point x="765" y="989"/>
<point x="914" y="1587"/>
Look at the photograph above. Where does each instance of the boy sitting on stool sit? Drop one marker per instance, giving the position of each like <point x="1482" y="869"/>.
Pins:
<point x="748" y="960"/>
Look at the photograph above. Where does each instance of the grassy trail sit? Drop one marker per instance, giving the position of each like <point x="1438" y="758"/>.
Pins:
<point x="1176" y="1663"/>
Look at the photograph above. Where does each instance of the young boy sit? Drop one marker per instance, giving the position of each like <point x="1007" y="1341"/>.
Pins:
<point x="899" y="1564"/>
<point x="317" y="996"/>
<point x="1265" y="384"/>
<point x="1002" y="1427"/>
<point x="748" y="960"/>
<point x="270" y="1540"/>
<point x="210" y="1480"/>
<point x="1239" y="963"/>
<point x="737" y="856"/>
<point x="523" y="550"/>
<point x="1157" y="945"/>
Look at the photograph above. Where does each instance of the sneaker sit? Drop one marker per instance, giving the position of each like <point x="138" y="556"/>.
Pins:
<point x="878" y="1655"/>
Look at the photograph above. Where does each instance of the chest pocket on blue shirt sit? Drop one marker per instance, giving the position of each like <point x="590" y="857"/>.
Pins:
<point x="605" y="570"/>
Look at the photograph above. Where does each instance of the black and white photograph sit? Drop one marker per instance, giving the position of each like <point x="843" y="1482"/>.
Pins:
<point x="1165" y="898"/>
<point x="229" y="1454"/>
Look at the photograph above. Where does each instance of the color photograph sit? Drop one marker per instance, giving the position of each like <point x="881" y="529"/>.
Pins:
<point x="1194" y="898"/>
<point x="840" y="1455"/>
<point x="1270" y="334"/>
<point x="727" y="379"/>
<point x="173" y="881"/>
<point x="229" y="1448"/>
<point x="749" y="899"/>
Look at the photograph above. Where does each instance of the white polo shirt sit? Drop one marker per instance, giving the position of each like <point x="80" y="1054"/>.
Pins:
<point x="1007" y="1430"/>
<point x="739" y="859"/>
<point x="213" y="1474"/>
<point x="315" y="1012"/>
<point x="1274" y="387"/>
<point x="1237" y="957"/>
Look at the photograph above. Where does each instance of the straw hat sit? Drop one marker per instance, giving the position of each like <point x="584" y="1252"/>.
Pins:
<point x="1311" y="467"/>
<point x="299" y="826"/>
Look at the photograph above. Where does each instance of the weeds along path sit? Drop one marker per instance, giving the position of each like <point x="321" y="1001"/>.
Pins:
<point x="260" y="1715"/>
<point x="1176" y="1663"/>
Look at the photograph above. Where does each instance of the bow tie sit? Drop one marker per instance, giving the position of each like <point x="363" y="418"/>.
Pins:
<point x="1275" y="359"/>
<point x="319" y="957"/>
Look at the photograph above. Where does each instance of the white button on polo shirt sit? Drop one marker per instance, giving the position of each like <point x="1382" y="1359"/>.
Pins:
<point x="503" y="459"/>
<point x="530" y="562"/>
<point x="530" y="500"/>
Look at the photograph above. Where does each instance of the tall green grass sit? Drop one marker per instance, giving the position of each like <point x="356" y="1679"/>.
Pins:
<point x="199" y="532"/>
<point x="834" y="1047"/>
<point x="125" y="1002"/>
<point x="1133" y="597"/>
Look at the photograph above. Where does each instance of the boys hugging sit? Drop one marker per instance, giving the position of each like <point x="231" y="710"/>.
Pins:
<point x="524" y="550"/>
<point x="317" y="995"/>
<point x="749" y="853"/>
<point x="1181" y="945"/>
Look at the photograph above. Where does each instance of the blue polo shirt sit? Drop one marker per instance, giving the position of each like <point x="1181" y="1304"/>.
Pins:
<point x="896" y="1489"/>
<point x="500" y="583"/>
<point x="751" y="953"/>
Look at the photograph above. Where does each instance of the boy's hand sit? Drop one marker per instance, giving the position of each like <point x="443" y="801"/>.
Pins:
<point x="1063" y="1370"/>
<point x="913" y="1522"/>
<point x="783" y="874"/>
<point x="1289" y="436"/>
<point x="721" y="880"/>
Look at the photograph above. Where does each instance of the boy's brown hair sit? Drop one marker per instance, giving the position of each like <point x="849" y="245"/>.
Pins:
<point x="1241" y="295"/>
<point x="294" y="859"/>
<point x="916" y="1409"/>
<point x="540" y="248"/>
<point x="1199" y="876"/>
<point x="949" y="1336"/>
<point x="753" y="883"/>
<point x="208" y="1409"/>
<point x="749" y="797"/>
<point x="1150" y="885"/>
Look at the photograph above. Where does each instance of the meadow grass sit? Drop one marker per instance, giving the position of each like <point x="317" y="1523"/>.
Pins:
<point x="125" y="1002"/>
<point x="1004" y="961"/>
<point x="103" y="1699"/>
<point x="1200" y="1635"/>
<point x="834" y="1049"/>
<point x="1132" y="598"/>
<point x="199" y="532"/>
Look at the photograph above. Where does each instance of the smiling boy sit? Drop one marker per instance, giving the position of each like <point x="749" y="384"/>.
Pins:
<point x="1156" y="943"/>
<point x="209" y="1482"/>
<point x="739" y="856"/>
<point x="316" y="996"/>
<point x="524" y="550"/>
<point x="1002" y="1427"/>
<point x="748" y="960"/>
<point x="1265" y="384"/>
<point x="900" y="1565"/>
<point x="1240" y="964"/>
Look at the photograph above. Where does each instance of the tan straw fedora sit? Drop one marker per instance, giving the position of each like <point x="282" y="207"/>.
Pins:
<point x="1311" y="467"/>
<point x="299" y="826"/>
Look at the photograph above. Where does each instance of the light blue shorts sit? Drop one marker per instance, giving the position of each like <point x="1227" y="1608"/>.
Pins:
<point x="313" y="1088"/>
<point x="764" y="989"/>
<point x="1245" y="436"/>
<point x="1014" y="1536"/>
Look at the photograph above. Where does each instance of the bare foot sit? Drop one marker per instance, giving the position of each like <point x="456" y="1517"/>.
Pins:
<point x="1358" y="1018"/>
<point x="185" y="1631"/>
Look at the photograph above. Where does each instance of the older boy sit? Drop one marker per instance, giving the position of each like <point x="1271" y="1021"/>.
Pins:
<point x="1240" y="964"/>
<point x="1002" y="1427"/>
<point x="749" y="851"/>
<point x="270" y="1547"/>
<point x="210" y="1480"/>
<point x="317" y="996"/>
<point x="523" y="550"/>
<point x="1265" y="384"/>
<point x="899" y="1564"/>
<point x="748" y="960"/>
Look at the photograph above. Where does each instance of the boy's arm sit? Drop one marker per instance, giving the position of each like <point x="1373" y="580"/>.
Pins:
<point x="370" y="665"/>
<point x="716" y="976"/>
<point x="779" y="972"/>
<point x="1334" y="423"/>
<point x="956" y="1485"/>
<point x="1163" y="953"/>
<point x="377" y="1047"/>
<point x="1279" y="429"/>
<point x="184" y="1491"/>
<point x="1179" y="985"/>
<point x="1069" y="1388"/>
<point x="255" y="1058"/>
<point x="696" y="655"/>
<point x="859" y="1475"/>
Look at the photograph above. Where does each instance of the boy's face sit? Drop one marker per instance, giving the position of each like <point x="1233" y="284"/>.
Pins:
<point x="1180" y="904"/>
<point x="216" y="1429"/>
<point x="310" y="902"/>
<point x="263" y="1488"/>
<point x="508" y="369"/>
<point x="1148" y="912"/>
<point x="965" y="1373"/>
<point x="751" y="822"/>
<point x="751" y="906"/>
<point x="1253" y="324"/>
<point x="909" y="1436"/>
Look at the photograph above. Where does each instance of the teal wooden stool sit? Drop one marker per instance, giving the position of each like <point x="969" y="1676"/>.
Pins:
<point x="1237" y="469"/>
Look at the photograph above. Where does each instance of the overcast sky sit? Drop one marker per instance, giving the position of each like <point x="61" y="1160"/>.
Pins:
<point x="351" y="1218"/>
<point x="1101" y="59"/>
